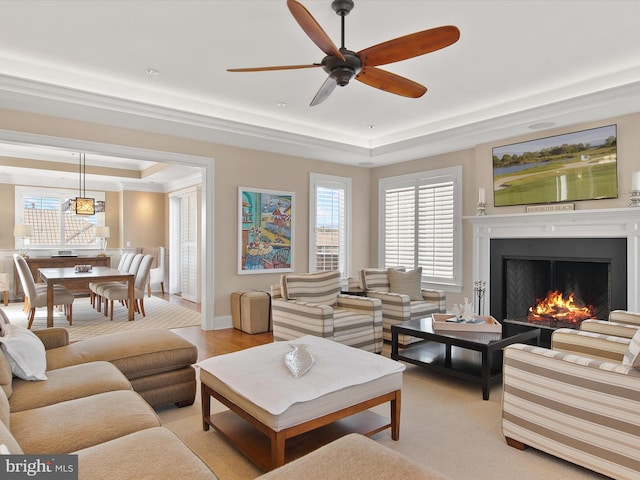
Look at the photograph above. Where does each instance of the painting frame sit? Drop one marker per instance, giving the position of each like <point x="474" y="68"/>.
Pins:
<point x="265" y="230"/>
<point x="575" y="166"/>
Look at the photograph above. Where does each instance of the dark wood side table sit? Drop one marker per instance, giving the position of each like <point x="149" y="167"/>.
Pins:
<point x="435" y="352"/>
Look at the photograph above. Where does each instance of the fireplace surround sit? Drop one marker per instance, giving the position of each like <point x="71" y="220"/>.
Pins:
<point x="619" y="223"/>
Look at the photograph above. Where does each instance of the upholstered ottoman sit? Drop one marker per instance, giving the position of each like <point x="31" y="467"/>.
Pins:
<point x="271" y="409"/>
<point x="251" y="311"/>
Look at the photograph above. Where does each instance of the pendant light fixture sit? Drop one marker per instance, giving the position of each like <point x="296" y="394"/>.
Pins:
<point x="83" y="205"/>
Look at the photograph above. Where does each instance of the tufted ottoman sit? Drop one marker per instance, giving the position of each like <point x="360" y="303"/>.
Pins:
<point x="274" y="417"/>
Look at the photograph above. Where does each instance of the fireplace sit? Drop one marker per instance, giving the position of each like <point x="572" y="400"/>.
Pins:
<point x="618" y="224"/>
<point x="592" y="272"/>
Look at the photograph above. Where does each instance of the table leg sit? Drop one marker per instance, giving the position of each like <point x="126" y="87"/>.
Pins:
<point x="447" y="355"/>
<point x="485" y="373"/>
<point x="395" y="416"/>
<point x="206" y="406"/>
<point x="49" y="304"/>
<point x="132" y="299"/>
<point x="394" y="344"/>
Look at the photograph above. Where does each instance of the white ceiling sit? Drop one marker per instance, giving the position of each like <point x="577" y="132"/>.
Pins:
<point x="517" y="64"/>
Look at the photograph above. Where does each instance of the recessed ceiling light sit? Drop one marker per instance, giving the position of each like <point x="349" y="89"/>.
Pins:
<point x="281" y="104"/>
<point x="371" y="127"/>
<point x="152" y="71"/>
<point x="541" y="125"/>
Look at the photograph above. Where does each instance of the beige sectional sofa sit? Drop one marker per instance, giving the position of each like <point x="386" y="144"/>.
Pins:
<point x="87" y="406"/>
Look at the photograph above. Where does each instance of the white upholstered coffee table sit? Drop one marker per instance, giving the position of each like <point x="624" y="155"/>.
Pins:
<point x="274" y="417"/>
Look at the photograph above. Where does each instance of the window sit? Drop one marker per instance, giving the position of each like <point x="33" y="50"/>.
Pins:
<point x="42" y="208"/>
<point x="421" y="224"/>
<point x="329" y="218"/>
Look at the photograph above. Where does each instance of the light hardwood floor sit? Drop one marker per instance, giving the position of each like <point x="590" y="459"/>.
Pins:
<point x="215" y="342"/>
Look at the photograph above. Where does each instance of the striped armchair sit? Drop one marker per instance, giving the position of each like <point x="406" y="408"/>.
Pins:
<point x="399" y="307"/>
<point x="311" y="304"/>
<point x="578" y="400"/>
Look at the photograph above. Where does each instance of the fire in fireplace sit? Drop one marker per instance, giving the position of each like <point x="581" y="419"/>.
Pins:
<point x="556" y="311"/>
<point x="524" y="270"/>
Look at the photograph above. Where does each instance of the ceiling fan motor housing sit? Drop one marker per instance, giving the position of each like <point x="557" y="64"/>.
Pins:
<point x="342" y="71"/>
<point x="342" y="7"/>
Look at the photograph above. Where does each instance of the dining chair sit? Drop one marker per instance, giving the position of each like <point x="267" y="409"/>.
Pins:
<point x="36" y="295"/>
<point x="121" y="292"/>
<point x="123" y="266"/>
<point x="130" y="265"/>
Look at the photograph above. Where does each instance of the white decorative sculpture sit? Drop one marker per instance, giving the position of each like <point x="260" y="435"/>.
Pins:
<point x="464" y="311"/>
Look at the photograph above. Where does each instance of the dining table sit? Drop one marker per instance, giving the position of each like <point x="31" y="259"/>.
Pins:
<point x="72" y="276"/>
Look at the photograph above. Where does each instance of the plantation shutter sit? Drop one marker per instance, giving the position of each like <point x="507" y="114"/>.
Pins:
<point x="436" y="230"/>
<point x="420" y="225"/>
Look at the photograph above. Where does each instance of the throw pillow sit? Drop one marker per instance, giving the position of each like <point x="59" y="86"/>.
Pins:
<point x="25" y="352"/>
<point x="632" y="357"/>
<point x="407" y="283"/>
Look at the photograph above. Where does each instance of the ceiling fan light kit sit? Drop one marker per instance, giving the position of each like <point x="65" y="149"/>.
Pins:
<point x="342" y="64"/>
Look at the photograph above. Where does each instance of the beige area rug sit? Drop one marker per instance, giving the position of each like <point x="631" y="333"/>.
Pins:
<point x="88" y="322"/>
<point x="445" y="425"/>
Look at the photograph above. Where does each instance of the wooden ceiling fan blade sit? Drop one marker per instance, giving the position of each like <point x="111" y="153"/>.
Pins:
<point x="409" y="46"/>
<point x="266" y="69"/>
<point x="327" y="87"/>
<point x="390" y="82"/>
<point x="313" y="29"/>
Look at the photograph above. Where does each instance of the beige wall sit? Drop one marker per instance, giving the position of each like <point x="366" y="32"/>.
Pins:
<point x="236" y="167"/>
<point x="7" y="213"/>
<point x="142" y="220"/>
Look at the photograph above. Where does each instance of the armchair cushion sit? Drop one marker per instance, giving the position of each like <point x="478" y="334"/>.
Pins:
<point x="632" y="356"/>
<point x="322" y="288"/>
<point x="407" y="283"/>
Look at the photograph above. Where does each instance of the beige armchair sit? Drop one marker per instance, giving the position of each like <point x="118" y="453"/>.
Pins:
<point x="311" y="304"/>
<point x="402" y="297"/>
<point x="580" y="399"/>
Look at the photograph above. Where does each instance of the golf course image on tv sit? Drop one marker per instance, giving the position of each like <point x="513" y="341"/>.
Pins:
<point x="562" y="168"/>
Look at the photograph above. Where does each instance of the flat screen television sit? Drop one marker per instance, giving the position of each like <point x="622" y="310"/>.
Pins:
<point x="562" y="168"/>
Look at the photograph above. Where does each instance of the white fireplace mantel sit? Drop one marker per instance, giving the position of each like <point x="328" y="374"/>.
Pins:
<point x="603" y="223"/>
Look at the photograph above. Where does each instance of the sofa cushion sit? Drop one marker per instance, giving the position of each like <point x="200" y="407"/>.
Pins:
<point x="25" y="353"/>
<point x="76" y="424"/>
<point x="67" y="383"/>
<point x="158" y="449"/>
<point x="6" y="438"/>
<point x="136" y="354"/>
<point x="632" y="357"/>
<point x="406" y="283"/>
<point x="321" y="288"/>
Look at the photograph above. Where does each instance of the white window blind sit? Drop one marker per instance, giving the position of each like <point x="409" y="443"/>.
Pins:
<point x="421" y="224"/>
<point x="329" y="214"/>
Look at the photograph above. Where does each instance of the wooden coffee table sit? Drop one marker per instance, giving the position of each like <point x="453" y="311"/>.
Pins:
<point x="271" y="439"/>
<point x="435" y="352"/>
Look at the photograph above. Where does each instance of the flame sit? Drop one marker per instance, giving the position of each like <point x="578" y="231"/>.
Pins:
<point x="555" y="307"/>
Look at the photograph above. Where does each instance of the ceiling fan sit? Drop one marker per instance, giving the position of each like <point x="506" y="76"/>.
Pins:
<point x="342" y="64"/>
